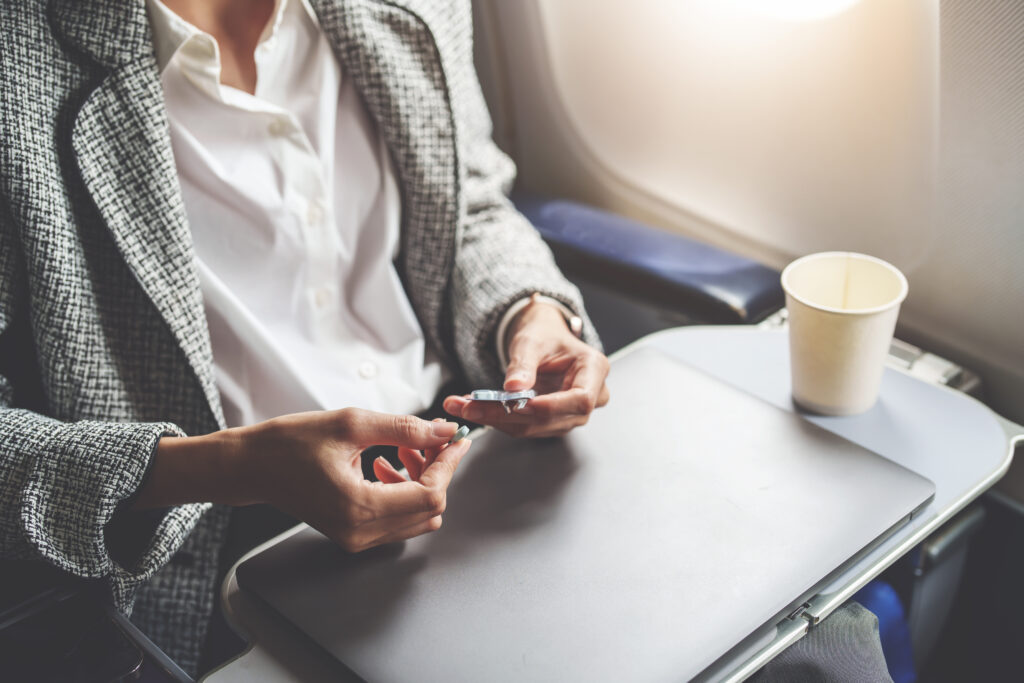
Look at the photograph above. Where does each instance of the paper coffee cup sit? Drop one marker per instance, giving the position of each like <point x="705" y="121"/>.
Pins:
<point x="842" y="314"/>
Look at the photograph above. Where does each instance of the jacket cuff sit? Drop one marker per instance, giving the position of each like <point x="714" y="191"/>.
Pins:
<point x="82" y="472"/>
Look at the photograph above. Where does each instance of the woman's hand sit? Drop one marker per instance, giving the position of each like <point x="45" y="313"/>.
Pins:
<point x="567" y="374"/>
<point x="308" y="465"/>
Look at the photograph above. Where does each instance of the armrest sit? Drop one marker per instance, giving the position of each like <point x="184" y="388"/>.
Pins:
<point x="704" y="283"/>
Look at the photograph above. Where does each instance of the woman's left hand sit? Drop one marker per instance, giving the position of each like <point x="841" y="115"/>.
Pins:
<point x="544" y="355"/>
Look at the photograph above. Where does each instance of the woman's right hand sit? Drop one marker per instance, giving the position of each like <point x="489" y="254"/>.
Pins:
<point x="308" y="465"/>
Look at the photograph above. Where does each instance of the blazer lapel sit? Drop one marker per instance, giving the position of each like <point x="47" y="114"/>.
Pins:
<point x="123" y="152"/>
<point x="389" y="51"/>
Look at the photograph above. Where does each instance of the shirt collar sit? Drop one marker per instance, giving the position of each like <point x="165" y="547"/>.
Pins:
<point x="171" y="33"/>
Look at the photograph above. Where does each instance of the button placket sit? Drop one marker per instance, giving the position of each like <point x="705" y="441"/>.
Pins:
<point x="306" y="187"/>
<point x="321" y="256"/>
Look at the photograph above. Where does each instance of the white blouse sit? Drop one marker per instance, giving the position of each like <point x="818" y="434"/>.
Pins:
<point x="294" y="211"/>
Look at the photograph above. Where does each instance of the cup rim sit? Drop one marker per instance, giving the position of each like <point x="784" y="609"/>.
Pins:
<point x="896" y="301"/>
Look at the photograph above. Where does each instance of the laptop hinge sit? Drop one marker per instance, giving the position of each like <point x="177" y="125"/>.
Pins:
<point x="810" y="611"/>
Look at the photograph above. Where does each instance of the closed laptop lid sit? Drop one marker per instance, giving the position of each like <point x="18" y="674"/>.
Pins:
<point x="686" y="516"/>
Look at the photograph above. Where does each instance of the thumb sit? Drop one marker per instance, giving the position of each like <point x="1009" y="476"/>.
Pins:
<point x="524" y="355"/>
<point x="368" y="428"/>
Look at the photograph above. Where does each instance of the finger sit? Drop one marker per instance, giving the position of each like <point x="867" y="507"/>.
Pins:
<point x="418" y="529"/>
<point x="558" y="427"/>
<point x="481" y="412"/>
<point x="604" y="397"/>
<point x="549" y="407"/>
<point x="430" y="455"/>
<point x="388" y="526"/>
<point x="591" y="372"/>
<point x="540" y="414"/>
<point x="427" y="494"/>
<point x="386" y="472"/>
<point x="413" y="461"/>
<point x="524" y="355"/>
<point x="539" y="430"/>
<point x="455" y="405"/>
<point x="387" y="530"/>
<point x="492" y="413"/>
<point x="543" y="409"/>
<point x="367" y="428"/>
<point x="439" y="474"/>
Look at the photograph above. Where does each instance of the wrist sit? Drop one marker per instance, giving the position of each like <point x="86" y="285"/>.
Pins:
<point x="233" y="480"/>
<point x="536" y="308"/>
<point x="198" y="469"/>
<point x="245" y="467"/>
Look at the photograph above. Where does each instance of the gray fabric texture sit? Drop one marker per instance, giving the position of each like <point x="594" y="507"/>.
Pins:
<point x="103" y="342"/>
<point x="844" y="648"/>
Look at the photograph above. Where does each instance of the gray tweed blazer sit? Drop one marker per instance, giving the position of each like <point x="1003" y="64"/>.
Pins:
<point x="103" y="342"/>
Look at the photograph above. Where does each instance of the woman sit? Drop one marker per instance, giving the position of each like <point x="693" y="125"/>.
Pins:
<point x="216" y="213"/>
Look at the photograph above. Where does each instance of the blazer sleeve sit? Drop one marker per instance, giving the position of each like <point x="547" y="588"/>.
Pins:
<point x="61" y="484"/>
<point x="500" y="257"/>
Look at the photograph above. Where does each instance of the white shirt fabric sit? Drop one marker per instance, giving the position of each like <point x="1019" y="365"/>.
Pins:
<point x="294" y="211"/>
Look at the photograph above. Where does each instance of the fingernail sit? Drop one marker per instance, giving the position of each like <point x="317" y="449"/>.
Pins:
<point x="444" y="429"/>
<point x="382" y="460"/>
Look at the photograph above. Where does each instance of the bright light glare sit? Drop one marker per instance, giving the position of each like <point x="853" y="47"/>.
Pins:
<point x="794" y="10"/>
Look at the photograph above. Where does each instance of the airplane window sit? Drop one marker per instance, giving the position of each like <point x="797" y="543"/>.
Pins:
<point x="802" y="135"/>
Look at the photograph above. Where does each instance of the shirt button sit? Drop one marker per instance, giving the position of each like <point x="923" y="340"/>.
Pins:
<point x="278" y="127"/>
<point x="314" y="214"/>
<point x="322" y="297"/>
<point x="367" y="370"/>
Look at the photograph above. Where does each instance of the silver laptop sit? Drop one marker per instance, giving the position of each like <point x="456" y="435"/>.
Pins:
<point x="685" y="517"/>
